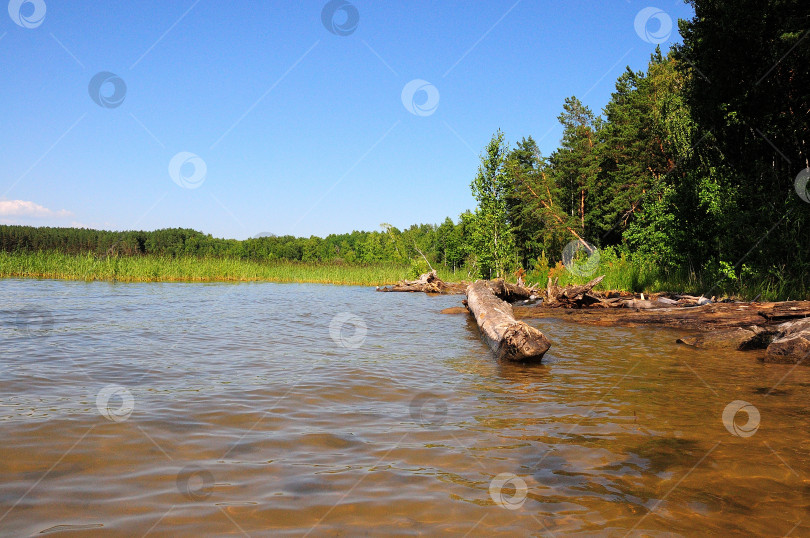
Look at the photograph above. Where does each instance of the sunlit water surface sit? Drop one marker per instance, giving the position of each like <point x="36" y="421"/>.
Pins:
<point x="232" y="409"/>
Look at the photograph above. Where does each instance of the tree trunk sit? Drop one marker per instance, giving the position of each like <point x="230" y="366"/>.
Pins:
<point x="510" y="339"/>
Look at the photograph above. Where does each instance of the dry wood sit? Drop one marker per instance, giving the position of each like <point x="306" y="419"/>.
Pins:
<point x="510" y="292"/>
<point x="708" y="317"/>
<point x="572" y="296"/>
<point x="431" y="283"/>
<point x="510" y="339"/>
<point x="718" y="325"/>
<point x="786" y="311"/>
<point x="427" y="283"/>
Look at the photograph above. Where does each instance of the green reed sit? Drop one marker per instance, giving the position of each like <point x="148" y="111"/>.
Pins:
<point x="191" y="269"/>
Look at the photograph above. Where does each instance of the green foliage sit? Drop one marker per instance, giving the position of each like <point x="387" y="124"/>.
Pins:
<point x="690" y="173"/>
<point x="418" y="267"/>
<point x="575" y="164"/>
<point x="647" y="132"/>
<point x="751" y="109"/>
<point x="362" y="247"/>
<point x="654" y="232"/>
<point x="492" y="239"/>
<point x="524" y="164"/>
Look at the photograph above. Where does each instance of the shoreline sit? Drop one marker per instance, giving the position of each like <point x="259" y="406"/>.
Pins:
<point x="780" y="329"/>
<point x="216" y="280"/>
<point x="77" y="267"/>
<point x="773" y="332"/>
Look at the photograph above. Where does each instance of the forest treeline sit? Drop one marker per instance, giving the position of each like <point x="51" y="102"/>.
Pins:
<point x="693" y="168"/>
<point x="388" y="245"/>
<point x="697" y="165"/>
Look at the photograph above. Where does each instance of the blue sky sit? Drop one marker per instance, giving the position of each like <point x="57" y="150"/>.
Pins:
<point x="276" y="124"/>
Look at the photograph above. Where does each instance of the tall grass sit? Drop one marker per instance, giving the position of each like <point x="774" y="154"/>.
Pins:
<point x="191" y="269"/>
<point x="621" y="273"/>
<point x="637" y="275"/>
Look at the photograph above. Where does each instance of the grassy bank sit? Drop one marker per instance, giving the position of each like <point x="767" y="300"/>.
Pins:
<point x="634" y="274"/>
<point x="192" y="269"/>
<point x="621" y="273"/>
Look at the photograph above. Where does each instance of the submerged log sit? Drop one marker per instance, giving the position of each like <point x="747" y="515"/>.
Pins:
<point x="739" y="338"/>
<point x="455" y="310"/>
<point x="510" y="339"/>
<point x="792" y="342"/>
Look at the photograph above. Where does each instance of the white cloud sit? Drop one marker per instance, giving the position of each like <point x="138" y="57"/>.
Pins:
<point x="23" y="208"/>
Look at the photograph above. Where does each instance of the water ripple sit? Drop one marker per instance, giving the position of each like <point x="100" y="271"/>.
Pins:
<point x="230" y="408"/>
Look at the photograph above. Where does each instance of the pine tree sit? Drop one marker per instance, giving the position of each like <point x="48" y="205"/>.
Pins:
<point x="576" y="162"/>
<point x="523" y="164"/>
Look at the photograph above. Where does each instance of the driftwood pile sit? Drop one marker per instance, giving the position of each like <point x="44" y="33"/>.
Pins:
<point x="585" y="296"/>
<point x="781" y="330"/>
<point x="427" y="283"/>
<point x="572" y="296"/>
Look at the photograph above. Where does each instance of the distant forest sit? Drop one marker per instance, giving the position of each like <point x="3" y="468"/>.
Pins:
<point x="390" y="245"/>
<point x="698" y="164"/>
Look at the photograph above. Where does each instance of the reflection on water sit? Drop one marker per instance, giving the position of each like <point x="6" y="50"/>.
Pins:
<point x="191" y="409"/>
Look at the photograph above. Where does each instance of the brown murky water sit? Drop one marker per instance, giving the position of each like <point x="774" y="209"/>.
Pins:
<point x="184" y="409"/>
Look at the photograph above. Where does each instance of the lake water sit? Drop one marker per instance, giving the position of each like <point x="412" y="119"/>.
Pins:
<point x="259" y="409"/>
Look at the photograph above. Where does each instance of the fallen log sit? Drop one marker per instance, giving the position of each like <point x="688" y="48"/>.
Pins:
<point x="708" y="317"/>
<point x="572" y="296"/>
<point x="781" y="329"/>
<point x="785" y="311"/>
<point x="510" y="339"/>
<point x="427" y="283"/>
